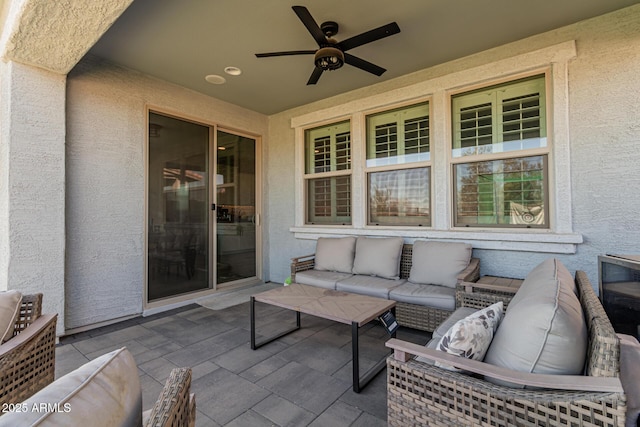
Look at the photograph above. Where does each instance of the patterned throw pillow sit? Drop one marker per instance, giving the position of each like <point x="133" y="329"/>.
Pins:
<point x="471" y="336"/>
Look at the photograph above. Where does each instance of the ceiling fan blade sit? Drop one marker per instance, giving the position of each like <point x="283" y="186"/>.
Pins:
<point x="363" y="65"/>
<point x="286" y="53"/>
<point x="310" y="23"/>
<point x="369" y="36"/>
<point x="317" y="72"/>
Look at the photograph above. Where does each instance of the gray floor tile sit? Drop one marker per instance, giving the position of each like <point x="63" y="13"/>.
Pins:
<point x="224" y="396"/>
<point x="317" y="355"/>
<point x="282" y="412"/>
<point x="250" y="419"/>
<point x="338" y="414"/>
<point x="241" y="358"/>
<point x="368" y="420"/>
<point x="264" y="368"/>
<point x="159" y="369"/>
<point x="305" y="387"/>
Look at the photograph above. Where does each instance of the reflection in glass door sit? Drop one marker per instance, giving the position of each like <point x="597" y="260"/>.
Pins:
<point x="178" y="207"/>
<point x="236" y="208"/>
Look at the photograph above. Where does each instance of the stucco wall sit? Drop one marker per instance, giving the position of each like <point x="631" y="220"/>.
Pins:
<point x="32" y="213"/>
<point x="106" y="119"/>
<point x="604" y="126"/>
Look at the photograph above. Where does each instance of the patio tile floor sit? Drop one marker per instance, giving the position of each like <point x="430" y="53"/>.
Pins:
<point x="301" y="379"/>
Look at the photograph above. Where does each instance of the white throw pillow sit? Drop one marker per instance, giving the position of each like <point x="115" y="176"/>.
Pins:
<point x="10" y="302"/>
<point x="378" y="256"/>
<point x="335" y="254"/>
<point x="471" y="336"/>
<point x="438" y="263"/>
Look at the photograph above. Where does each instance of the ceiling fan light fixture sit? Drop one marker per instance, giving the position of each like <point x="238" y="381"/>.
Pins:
<point x="329" y="58"/>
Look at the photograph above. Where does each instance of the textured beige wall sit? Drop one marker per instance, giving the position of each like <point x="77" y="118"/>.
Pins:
<point x="32" y="202"/>
<point x="604" y="132"/>
<point x="106" y="119"/>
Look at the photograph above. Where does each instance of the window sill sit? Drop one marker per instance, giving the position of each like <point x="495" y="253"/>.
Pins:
<point x="544" y="241"/>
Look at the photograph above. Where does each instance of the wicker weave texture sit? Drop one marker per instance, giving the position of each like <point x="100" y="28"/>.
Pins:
<point x="410" y="315"/>
<point x="176" y="406"/>
<point x="422" y="394"/>
<point x="419" y="394"/>
<point x="481" y="298"/>
<point x="27" y="361"/>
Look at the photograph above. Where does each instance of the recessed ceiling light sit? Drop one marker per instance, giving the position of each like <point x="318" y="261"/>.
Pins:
<point x="215" y="79"/>
<point x="233" y="71"/>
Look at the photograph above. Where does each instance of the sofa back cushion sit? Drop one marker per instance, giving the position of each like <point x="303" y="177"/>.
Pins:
<point x="378" y="256"/>
<point x="103" y="392"/>
<point x="543" y="330"/>
<point x="438" y="263"/>
<point x="335" y="254"/>
<point x="10" y="302"/>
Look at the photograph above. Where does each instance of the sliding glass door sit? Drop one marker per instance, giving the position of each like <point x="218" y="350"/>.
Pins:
<point x="200" y="235"/>
<point x="178" y="243"/>
<point x="236" y="210"/>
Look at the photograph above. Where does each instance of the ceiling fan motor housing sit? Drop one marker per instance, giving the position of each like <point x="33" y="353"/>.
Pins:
<point x="329" y="28"/>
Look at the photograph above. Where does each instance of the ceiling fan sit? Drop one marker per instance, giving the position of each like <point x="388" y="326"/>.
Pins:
<point x="331" y="54"/>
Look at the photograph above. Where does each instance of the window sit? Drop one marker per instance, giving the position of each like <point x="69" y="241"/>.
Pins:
<point x="398" y="167"/>
<point x="328" y="174"/>
<point x="498" y="183"/>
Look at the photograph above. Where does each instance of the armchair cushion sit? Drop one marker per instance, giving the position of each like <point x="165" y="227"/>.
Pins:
<point x="378" y="256"/>
<point x="10" y="302"/>
<point x="439" y="263"/>
<point x="544" y="330"/>
<point x="103" y="392"/>
<point x="335" y="254"/>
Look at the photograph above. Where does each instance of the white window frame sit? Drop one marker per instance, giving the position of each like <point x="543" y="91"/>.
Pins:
<point x="330" y="130"/>
<point x="402" y="161"/>
<point x="559" y="238"/>
<point x="499" y="149"/>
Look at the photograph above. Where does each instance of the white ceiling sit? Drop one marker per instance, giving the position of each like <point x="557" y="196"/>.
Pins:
<point x="183" y="41"/>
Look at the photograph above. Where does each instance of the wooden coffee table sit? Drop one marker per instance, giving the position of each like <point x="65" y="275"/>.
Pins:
<point x="352" y="309"/>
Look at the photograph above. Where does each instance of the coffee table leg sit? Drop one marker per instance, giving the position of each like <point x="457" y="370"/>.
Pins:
<point x="360" y="382"/>
<point x="252" y="314"/>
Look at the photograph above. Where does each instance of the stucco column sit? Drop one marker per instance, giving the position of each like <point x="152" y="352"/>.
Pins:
<point x="32" y="183"/>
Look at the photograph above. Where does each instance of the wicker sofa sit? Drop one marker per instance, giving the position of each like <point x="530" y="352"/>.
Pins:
<point x="412" y="315"/>
<point x="27" y="360"/>
<point x="421" y="393"/>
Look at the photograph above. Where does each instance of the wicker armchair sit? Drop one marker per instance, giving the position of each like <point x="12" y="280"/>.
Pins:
<point x="423" y="394"/>
<point x="176" y="405"/>
<point x="27" y="361"/>
<point x="410" y="315"/>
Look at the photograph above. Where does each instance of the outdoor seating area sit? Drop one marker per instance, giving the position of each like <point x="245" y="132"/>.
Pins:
<point x="541" y="351"/>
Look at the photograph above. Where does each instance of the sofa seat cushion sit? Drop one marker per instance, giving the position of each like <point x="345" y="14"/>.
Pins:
<point x="438" y="263"/>
<point x="544" y="330"/>
<point x="378" y="256"/>
<point x="103" y="392"/>
<point x="10" y="303"/>
<point x="322" y="279"/>
<point x="368" y="285"/>
<point x="434" y="296"/>
<point x="335" y="254"/>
